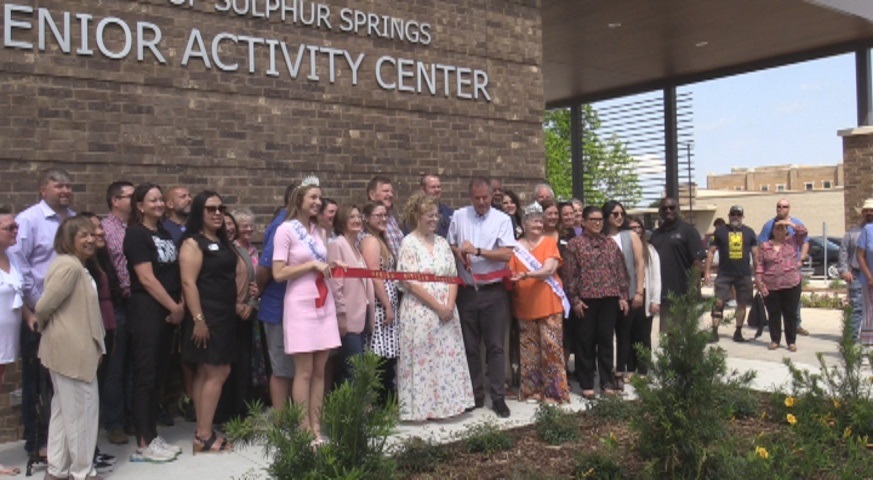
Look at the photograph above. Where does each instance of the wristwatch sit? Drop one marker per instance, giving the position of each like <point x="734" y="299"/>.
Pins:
<point x="478" y="252"/>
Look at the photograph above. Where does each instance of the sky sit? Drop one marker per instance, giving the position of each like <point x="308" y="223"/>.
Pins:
<point x="785" y="115"/>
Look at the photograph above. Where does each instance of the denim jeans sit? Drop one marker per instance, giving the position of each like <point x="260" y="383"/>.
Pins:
<point x="35" y="393"/>
<point x="352" y="344"/>
<point x="117" y="381"/>
<point x="856" y="301"/>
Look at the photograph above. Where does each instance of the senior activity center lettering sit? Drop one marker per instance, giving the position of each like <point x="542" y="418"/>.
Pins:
<point x="83" y="34"/>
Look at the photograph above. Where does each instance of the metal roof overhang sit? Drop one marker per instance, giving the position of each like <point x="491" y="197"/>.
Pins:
<point x="600" y="49"/>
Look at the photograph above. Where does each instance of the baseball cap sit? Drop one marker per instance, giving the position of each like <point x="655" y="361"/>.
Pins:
<point x="736" y="209"/>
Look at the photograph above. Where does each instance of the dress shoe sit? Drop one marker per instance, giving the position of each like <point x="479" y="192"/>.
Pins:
<point x="116" y="436"/>
<point x="738" y="336"/>
<point x="479" y="404"/>
<point x="802" y="331"/>
<point x="500" y="408"/>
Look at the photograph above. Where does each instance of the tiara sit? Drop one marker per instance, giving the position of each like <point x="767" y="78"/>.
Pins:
<point x="533" y="209"/>
<point x="309" y="180"/>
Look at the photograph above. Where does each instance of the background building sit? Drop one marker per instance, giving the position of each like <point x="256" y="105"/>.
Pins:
<point x="778" y="178"/>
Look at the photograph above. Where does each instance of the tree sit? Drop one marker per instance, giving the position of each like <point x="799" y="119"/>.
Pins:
<point x="608" y="170"/>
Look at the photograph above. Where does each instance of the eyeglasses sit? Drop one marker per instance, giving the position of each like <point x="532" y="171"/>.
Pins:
<point x="782" y="206"/>
<point x="379" y="215"/>
<point x="596" y="220"/>
<point x="10" y="228"/>
<point x="617" y="214"/>
<point x="668" y="207"/>
<point x="735" y="214"/>
<point x="212" y="209"/>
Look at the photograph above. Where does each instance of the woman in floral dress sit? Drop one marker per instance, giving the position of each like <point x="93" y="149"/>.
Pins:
<point x="433" y="380"/>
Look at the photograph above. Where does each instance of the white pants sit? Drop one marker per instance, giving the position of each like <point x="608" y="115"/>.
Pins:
<point x="72" y="435"/>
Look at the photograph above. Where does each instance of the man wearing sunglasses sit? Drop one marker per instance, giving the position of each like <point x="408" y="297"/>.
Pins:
<point x="679" y="246"/>
<point x="783" y="209"/>
<point x="736" y="244"/>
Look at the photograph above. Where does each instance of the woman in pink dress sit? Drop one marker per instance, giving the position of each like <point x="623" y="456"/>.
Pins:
<point x="309" y="319"/>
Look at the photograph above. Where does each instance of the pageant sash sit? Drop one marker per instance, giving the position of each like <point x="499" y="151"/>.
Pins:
<point x="532" y="264"/>
<point x="319" y="253"/>
<point x="340" y="272"/>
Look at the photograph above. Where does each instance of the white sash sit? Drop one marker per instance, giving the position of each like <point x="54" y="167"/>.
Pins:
<point x="532" y="264"/>
<point x="317" y="250"/>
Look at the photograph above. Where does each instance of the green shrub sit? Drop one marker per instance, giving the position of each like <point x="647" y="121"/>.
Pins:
<point x="679" y="418"/>
<point x="836" y="284"/>
<point x="556" y="426"/>
<point x="486" y="437"/>
<point x="822" y="300"/>
<point x="598" y="466"/>
<point x="355" y="423"/>
<point x="613" y="409"/>
<point x="416" y="455"/>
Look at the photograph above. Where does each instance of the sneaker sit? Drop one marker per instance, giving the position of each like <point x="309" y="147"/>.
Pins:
<point x="500" y="408"/>
<point x="102" y="467"/>
<point x="104" y="457"/>
<point x="165" y="418"/>
<point x="738" y="336"/>
<point x="802" y="331"/>
<point x="153" y="454"/>
<point x="117" y="436"/>
<point x="168" y="446"/>
<point x="714" y="337"/>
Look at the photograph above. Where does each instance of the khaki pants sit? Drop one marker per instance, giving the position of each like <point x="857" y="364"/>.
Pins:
<point x="72" y="435"/>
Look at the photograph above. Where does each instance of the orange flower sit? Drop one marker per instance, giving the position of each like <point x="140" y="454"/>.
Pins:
<point x="789" y="402"/>
<point x="791" y="419"/>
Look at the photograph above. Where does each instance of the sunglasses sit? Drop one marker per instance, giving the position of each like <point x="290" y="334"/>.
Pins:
<point x="668" y="208"/>
<point x="10" y="228"/>
<point x="212" y="209"/>
<point x="617" y="214"/>
<point x="782" y="206"/>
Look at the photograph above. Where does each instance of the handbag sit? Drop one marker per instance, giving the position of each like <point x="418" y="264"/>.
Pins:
<point x="758" y="314"/>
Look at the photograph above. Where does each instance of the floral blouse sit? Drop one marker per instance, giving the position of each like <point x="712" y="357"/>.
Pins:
<point x="594" y="268"/>
<point x="779" y="270"/>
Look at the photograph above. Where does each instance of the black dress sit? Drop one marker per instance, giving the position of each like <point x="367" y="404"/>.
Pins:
<point x="216" y="284"/>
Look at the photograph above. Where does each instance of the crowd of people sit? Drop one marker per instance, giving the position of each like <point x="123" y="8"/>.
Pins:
<point x="103" y="311"/>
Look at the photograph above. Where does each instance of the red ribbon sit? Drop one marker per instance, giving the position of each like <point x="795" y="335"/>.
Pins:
<point x="321" y="285"/>
<point x="340" y="272"/>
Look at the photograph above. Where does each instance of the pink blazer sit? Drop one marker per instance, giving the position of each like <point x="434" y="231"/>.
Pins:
<point x="354" y="297"/>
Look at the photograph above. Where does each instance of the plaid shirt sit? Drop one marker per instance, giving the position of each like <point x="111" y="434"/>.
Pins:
<point x="394" y="235"/>
<point x="115" y="229"/>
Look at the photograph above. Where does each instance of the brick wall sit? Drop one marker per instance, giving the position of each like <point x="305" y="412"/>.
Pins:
<point x="790" y="177"/>
<point x="858" y="164"/>
<point x="248" y="135"/>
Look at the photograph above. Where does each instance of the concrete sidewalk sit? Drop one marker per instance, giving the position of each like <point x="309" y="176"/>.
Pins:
<point x="250" y="463"/>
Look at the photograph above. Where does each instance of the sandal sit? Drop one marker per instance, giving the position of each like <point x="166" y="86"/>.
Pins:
<point x="792" y="348"/>
<point x="9" y="471"/>
<point x="206" y="446"/>
<point x="773" y="346"/>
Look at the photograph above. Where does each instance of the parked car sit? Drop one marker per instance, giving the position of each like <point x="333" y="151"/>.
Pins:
<point x="815" y="260"/>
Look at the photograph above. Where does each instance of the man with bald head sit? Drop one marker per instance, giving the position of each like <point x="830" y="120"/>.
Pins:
<point x="431" y="186"/>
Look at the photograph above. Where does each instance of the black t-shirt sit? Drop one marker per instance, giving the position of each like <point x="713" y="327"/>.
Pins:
<point x="734" y="249"/>
<point x="679" y="246"/>
<point x="142" y="245"/>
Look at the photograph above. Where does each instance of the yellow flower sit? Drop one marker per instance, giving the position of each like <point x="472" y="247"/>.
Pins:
<point x="791" y="419"/>
<point x="837" y="403"/>
<point x="847" y="432"/>
<point x="789" y="402"/>
<point x="763" y="415"/>
<point x="762" y="452"/>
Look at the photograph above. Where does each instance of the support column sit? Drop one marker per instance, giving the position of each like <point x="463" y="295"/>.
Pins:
<point x="864" y="87"/>
<point x="858" y="177"/>
<point x="577" y="133"/>
<point x="671" y="143"/>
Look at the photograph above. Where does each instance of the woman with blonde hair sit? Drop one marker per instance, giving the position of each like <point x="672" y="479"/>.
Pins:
<point x="433" y="380"/>
<point x="309" y="319"/>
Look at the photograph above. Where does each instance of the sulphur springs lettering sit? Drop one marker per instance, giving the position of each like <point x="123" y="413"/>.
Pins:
<point x="81" y="34"/>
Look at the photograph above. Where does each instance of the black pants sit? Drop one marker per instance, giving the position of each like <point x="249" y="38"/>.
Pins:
<point x="237" y="389"/>
<point x="388" y="375"/>
<point x="623" y="349"/>
<point x="151" y="338"/>
<point x="640" y="335"/>
<point x="483" y="315"/>
<point x="783" y="304"/>
<point x="594" y="334"/>
<point x="35" y="393"/>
